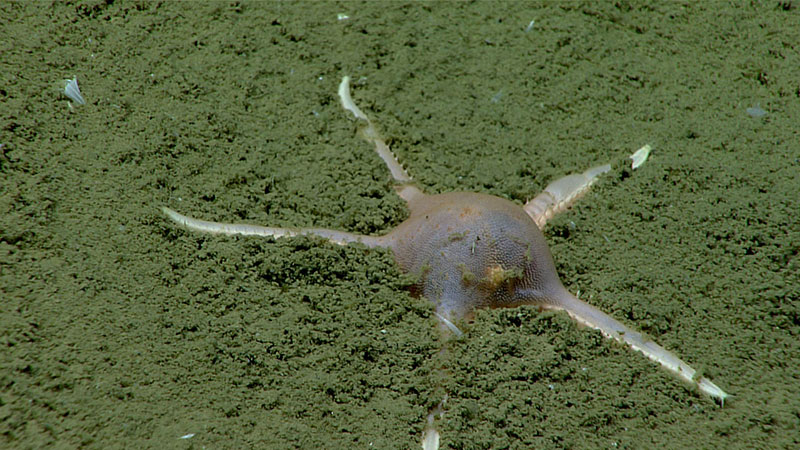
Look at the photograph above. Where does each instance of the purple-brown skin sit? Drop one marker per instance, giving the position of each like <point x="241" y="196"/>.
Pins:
<point x="471" y="250"/>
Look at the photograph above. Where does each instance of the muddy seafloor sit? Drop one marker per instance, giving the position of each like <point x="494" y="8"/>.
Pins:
<point x="121" y="330"/>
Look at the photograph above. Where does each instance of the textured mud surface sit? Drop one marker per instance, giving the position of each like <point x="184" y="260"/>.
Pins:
<point x="119" y="330"/>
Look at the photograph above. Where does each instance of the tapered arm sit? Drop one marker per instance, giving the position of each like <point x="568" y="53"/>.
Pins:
<point x="590" y="316"/>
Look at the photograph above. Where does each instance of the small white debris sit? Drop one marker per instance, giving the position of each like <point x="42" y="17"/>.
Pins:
<point x="496" y="97"/>
<point x="342" y="16"/>
<point x="756" y="111"/>
<point x="640" y="156"/>
<point x="72" y="91"/>
<point x="187" y="436"/>
<point x="530" y="26"/>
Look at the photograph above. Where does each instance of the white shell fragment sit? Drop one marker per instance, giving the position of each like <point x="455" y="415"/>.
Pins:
<point x="640" y="156"/>
<point x="72" y="91"/>
<point x="530" y="26"/>
<point x="756" y="111"/>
